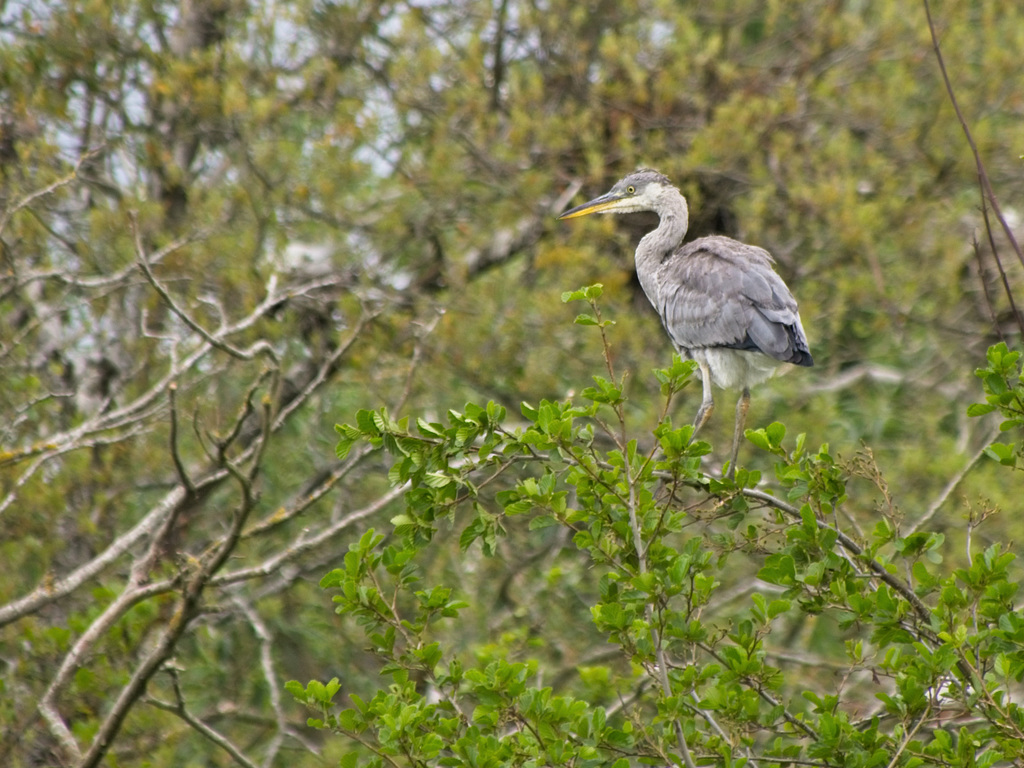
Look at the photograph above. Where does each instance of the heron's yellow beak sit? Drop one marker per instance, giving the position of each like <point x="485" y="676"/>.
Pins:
<point x="600" y="204"/>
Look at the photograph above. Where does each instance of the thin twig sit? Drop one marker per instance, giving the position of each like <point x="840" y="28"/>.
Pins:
<point x="952" y="485"/>
<point x="265" y="638"/>
<point x="905" y="590"/>
<point x="661" y="659"/>
<point x="172" y="392"/>
<point x="214" y="340"/>
<point x="133" y="594"/>
<point x="423" y="332"/>
<point x="307" y="543"/>
<point x="185" y="611"/>
<point x="987" y="193"/>
<point x="52" y="591"/>
<point x="48" y="189"/>
<point x="208" y="732"/>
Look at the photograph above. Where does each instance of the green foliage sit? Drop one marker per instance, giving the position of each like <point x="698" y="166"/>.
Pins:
<point x="703" y="678"/>
<point x="351" y="206"/>
<point x="1003" y="383"/>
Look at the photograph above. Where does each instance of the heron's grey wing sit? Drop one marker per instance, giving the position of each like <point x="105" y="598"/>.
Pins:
<point x="717" y="292"/>
<point x="775" y="326"/>
<point x="780" y="334"/>
<point x="700" y="298"/>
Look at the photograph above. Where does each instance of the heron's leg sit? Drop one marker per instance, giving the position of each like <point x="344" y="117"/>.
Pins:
<point x="741" y="419"/>
<point x="707" y="405"/>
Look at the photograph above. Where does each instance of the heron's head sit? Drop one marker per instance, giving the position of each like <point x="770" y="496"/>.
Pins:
<point x="639" y="191"/>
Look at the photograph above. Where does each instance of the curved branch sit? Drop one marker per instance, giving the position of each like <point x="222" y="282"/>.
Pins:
<point x="51" y="592"/>
<point x="988" y="195"/>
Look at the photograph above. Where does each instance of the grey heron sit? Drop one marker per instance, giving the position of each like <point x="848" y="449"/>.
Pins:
<point x="720" y="300"/>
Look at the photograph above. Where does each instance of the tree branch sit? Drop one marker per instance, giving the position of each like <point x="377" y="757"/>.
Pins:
<point x="988" y="195"/>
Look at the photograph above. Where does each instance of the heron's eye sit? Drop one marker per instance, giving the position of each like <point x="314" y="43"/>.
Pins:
<point x="630" y="190"/>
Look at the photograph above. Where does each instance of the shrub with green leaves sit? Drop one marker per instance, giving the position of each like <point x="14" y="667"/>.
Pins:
<point x="1004" y="392"/>
<point x="754" y="622"/>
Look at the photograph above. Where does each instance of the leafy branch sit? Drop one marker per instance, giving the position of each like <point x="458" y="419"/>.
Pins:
<point x="629" y="509"/>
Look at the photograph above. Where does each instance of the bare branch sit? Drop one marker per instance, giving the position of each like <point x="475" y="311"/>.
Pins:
<point x="305" y="543"/>
<point x="270" y="677"/>
<point x="188" y="607"/>
<point x="215" y="340"/>
<point x="208" y="732"/>
<point x="133" y="594"/>
<point x="49" y="189"/>
<point x="952" y="484"/>
<point x="50" y="592"/>
<point x="145" y="670"/>
<point x="175" y="453"/>
<point x="988" y="195"/>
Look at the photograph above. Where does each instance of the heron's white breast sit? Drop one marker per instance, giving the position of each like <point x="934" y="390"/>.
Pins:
<point x="736" y="368"/>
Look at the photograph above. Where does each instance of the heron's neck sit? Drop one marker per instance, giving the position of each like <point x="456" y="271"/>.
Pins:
<point x="657" y="246"/>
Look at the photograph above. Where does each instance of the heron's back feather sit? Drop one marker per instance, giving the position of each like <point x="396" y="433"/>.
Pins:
<point x="717" y="292"/>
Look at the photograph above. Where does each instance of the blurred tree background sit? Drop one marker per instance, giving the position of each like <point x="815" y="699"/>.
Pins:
<point x="226" y="226"/>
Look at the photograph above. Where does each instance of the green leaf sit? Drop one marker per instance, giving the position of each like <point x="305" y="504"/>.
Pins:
<point x="583" y="294"/>
<point x="437" y="480"/>
<point x="296" y="689"/>
<point x="341" y="450"/>
<point x="779" y="569"/>
<point x="1004" y="453"/>
<point x="366" y="422"/>
<point x="759" y="437"/>
<point x="429" y="430"/>
<point x="980" y="409"/>
<point x="332" y="688"/>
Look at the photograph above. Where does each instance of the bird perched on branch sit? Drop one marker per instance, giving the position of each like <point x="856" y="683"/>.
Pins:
<point x="720" y="300"/>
